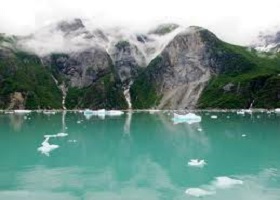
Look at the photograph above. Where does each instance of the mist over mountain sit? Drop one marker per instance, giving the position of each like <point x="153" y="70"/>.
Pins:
<point x="168" y="66"/>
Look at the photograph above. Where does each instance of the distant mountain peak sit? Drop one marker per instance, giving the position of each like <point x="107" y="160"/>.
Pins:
<point x="163" y="29"/>
<point x="70" y="25"/>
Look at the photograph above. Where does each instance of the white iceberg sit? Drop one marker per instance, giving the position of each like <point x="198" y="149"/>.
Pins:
<point x="46" y="148"/>
<point x="241" y="112"/>
<point x="9" y="112"/>
<point x="114" y="113"/>
<point x="224" y="182"/>
<point x="89" y="112"/>
<point x="49" y="112"/>
<point x="277" y="110"/>
<point x="101" y="112"/>
<point x="22" y="111"/>
<point x="198" y="192"/>
<point x="61" y="134"/>
<point x="214" y="117"/>
<point x="249" y="111"/>
<point x="189" y="118"/>
<point x="196" y="163"/>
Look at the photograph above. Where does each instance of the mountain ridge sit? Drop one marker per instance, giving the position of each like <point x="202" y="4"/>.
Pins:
<point x="169" y="67"/>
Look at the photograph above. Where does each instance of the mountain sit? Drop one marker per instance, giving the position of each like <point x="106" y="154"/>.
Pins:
<point x="70" y="65"/>
<point x="268" y="41"/>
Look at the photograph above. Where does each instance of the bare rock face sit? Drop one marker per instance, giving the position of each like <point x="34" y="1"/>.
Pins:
<point x="17" y="101"/>
<point x="181" y="71"/>
<point x="127" y="61"/>
<point x="81" y="69"/>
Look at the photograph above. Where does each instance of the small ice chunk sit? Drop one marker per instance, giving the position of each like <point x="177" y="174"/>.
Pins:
<point x="225" y="182"/>
<point x="277" y="110"/>
<point x="198" y="192"/>
<point x="196" y="163"/>
<point x="114" y="113"/>
<point x="243" y="135"/>
<point x="22" y="111"/>
<point x="61" y="134"/>
<point x="199" y="129"/>
<point x="46" y="148"/>
<point x="78" y="122"/>
<point x="72" y="141"/>
<point x="48" y="112"/>
<point x="50" y="136"/>
<point x="241" y="112"/>
<point x="190" y="118"/>
<point x="214" y="117"/>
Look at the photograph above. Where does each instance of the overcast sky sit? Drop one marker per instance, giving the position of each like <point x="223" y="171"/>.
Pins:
<point x="235" y="21"/>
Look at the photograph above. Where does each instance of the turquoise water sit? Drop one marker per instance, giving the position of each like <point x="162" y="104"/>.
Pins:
<point x="140" y="156"/>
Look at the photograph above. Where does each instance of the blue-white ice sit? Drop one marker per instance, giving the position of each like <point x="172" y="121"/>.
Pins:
<point x="189" y="118"/>
<point x="198" y="192"/>
<point x="196" y="163"/>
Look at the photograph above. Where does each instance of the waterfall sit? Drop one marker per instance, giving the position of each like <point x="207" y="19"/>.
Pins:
<point x="251" y="105"/>
<point x="127" y="97"/>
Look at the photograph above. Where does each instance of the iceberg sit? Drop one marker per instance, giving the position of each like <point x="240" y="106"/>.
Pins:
<point x="49" y="112"/>
<point x="189" y="118"/>
<point x="277" y="110"/>
<point x="114" y="113"/>
<point x="101" y="112"/>
<point x="89" y="112"/>
<point x="224" y="182"/>
<point x="198" y="192"/>
<point x="61" y="134"/>
<point x="46" y="147"/>
<point x="240" y="112"/>
<point x="196" y="163"/>
<point x="214" y="117"/>
<point x="22" y="111"/>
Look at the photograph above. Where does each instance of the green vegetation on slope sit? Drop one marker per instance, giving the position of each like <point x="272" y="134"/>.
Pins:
<point x="22" y="72"/>
<point x="143" y="91"/>
<point x="105" y="93"/>
<point x="257" y="83"/>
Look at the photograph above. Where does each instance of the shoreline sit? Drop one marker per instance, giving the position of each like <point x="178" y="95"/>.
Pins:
<point x="149" y="110"/>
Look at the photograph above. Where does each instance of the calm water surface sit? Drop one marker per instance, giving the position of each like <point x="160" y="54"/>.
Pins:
<point x="140" y="156"/>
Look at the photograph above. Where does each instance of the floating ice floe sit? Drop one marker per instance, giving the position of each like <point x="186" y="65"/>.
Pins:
<point x="214" y="117"/>
<point x="9" y="112"/>
<point x="277" y="110"/>
<point x="22" y="111"/>
<point x="224" y="182"/>
<point x="48" y="112"/>
<point x="198" y="192"/>
<point x="114" y="113"/>
<point x="249" y="111"/>
<point x="89" y="112"/>
<point x="102" y="113"/>
<point x="61" y="134"/>
<point x="189" y="118"/>
<point x="243" y="135"/>
<point x="196" y="163"/>
<point x="241" y="112"/>
<point x="46" y="147"/>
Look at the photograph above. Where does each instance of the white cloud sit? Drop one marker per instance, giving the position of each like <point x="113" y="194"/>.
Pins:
<point x="235" y="21"/>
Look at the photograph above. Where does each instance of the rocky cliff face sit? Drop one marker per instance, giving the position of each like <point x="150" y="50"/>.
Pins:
<point x="180" y="72"/>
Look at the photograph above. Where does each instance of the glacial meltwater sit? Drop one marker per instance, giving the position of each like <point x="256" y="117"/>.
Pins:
<point x="139" y="156"/>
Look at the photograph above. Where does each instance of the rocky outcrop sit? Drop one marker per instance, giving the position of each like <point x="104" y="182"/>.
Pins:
<point x="127" y="62"/>
<point x="180" y="72"/>
<point x="80" y="69"/>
